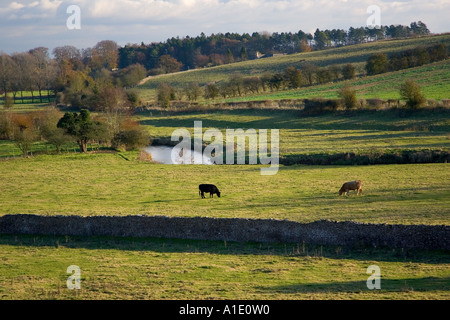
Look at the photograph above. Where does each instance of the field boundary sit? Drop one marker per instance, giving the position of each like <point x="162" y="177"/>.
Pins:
<point x="323" y="232"/>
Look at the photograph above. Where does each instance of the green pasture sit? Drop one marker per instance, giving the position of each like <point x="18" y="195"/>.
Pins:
<point x="30" y="97"/>
<point x="331" y="133"/>
<point x="118" y="184"/>
<point x="359" y="132"/>
<point x="24" y="108"/>
<point x="35" y="268"/>
<point x="356" y="54"/>
<point x="107" y="184"/>
<point x="434" y="80"/>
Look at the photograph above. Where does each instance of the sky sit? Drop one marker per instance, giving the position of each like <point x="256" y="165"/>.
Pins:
<point x="27" y="24"/>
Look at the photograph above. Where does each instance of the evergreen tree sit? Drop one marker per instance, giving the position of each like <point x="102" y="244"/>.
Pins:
<point x="244" y="55"/>
<point x="82" y="128"/>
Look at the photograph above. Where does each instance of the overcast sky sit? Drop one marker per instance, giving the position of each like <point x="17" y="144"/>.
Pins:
<point x="26" y="24"/>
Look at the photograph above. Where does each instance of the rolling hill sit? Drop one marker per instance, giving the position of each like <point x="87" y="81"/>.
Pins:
<point x="356" y="54"/>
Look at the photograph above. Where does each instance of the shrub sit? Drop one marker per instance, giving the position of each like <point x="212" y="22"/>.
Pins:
<point x="131" y="139"/>
<point x="348" y="71"/>
<point x="375" y="103"/>
<point x="319" y="106"/>
<point x="24" y="132"/>
<point x="166" y="93"/>
<point x="411" y="92"/>
<point x="8" y="102"/>
<point x="211" y="91"/>
<point x="377" y="63"/>
<point x="145" y="156"/>
<point x="348" y="97"/>
<point x="6" y="125"/>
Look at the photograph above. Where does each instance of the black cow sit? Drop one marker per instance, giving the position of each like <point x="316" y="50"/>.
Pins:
<point x="202" y="188"/>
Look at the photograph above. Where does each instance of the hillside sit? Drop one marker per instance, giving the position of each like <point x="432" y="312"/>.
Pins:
<point x="357" y="55"/>
<point x="434" y="79"/>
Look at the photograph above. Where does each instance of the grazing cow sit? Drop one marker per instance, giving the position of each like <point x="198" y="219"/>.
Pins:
<point x="351" y="185"/>
<point x="212" y="189"/>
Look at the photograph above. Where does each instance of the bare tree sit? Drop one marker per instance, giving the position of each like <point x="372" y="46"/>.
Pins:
<point x="66" y="53"/>
<point x="6" y="74"/>
<point x="192" y="91"/>
<point x="309" y="70"/>
<point x="41" y="69"/>
<point x="24" y="133"/>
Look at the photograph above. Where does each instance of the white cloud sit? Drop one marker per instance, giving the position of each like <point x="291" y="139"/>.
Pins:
<point x="29" y="10"/>
<point x="156" y="20"/>
<point x="50" y="4"/>
<point x="15" y="5"/>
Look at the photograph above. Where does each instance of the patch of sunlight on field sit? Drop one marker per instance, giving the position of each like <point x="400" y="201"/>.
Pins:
<point x="34" y="267"/>
<point x="106" y="184"/>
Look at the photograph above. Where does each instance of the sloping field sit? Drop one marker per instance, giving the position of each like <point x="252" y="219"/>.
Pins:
<point x="356" y="54"/>
<point x="433" y="78"/>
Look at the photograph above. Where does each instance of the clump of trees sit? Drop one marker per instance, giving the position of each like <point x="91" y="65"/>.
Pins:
<point x="88" y="80"/>
<point x="166" y="93"/>
<point x="58" y="130"/>
<point x="27" y="128"/>
<point x="70" y="76"/>
<point x="381" y="62"/>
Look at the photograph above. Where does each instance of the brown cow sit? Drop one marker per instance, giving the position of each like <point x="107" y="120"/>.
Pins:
<point x="351" y="185"/>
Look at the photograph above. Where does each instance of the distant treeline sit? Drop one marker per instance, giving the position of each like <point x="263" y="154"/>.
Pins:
<point x="177" y="54"/>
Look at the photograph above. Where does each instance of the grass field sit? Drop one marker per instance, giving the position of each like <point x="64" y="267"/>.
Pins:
<point x="107" y="184"/>
<point x="24" y="108"/>
<point x="434" y="80"/>
<point x="34" y="267"/>
<point x="331" y="133"/>
<point x="356" y="55"/>
<point x="362" y="132"/>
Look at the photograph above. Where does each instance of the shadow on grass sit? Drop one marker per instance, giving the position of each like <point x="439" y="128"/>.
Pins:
<point x="171" y="200"/>
<point x="167" y="245"/>
<point x="292" y="119"/>
<point x="386" y="285"/>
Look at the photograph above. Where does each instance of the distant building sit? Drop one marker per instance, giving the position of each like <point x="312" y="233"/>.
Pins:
<point x="259" y="55"/>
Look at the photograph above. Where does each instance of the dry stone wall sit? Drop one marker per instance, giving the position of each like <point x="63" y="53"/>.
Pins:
<point x="233" y="229"/>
